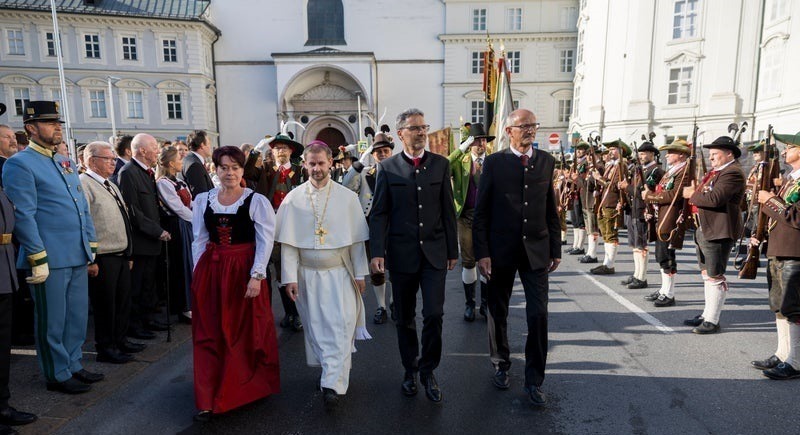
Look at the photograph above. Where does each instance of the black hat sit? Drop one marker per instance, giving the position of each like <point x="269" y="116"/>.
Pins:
<point x="382" y="140"/>
<point x="648" y="146"/>
<point x="41" y="111"/>
<point x="297" y="148"/>
<point x="477" y="131"/>
<point x="725" y="143"/>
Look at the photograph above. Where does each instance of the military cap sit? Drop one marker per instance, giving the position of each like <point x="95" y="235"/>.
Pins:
<point x="41" y="111"/>
<point x="678" y="146"/>
<point x="648" y="146"/>
<point x="788" y="139"/>
<point x="477" y="131"/>
<point x="382" y="140"/>
<point x="623" y="147"/>
<point x="725" y="143"/>
<point x="297" y="148"/>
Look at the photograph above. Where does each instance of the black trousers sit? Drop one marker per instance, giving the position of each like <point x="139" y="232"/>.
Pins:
<point x="404" y="289"/>
<point x="665" y="256"/>
<point x="536" y="285"/>
<point x="143" y="289"/>
<point x="5" y="347"/>
<point x="110" y="295"/>
<point x="22" y="326"/>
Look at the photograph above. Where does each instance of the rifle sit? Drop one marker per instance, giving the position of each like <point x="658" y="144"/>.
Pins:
<point x="596" y="140"/>
<point x="770" y="167"/>
<point x="567" y="186"/>
<point x="621" y="196"/>
<point x="686" y="217"/>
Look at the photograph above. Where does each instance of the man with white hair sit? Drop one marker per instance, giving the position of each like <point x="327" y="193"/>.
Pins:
<point x="137" y="182"/>
<point x="109" y="275"/>
<point x="8" y="146"/>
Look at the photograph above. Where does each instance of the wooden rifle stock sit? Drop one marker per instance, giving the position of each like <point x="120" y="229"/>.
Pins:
<point x="769" y="171"/>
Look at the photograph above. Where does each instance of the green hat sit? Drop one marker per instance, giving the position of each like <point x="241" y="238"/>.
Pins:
<point x="582" y="145"/>
<point x="757" y="146"/>
<point x="793" y="139"/>
<point x="626" y="150"/>
<point x="678" y="145"/>
<point x="297" y="147"/>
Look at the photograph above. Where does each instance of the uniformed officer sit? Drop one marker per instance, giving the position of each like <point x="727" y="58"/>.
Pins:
<point x="361" y="180"/>
<point x="610" y="209"/>
<point x="57" y="242"/>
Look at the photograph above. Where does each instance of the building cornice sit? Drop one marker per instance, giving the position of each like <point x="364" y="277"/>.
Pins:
<point x="471" y="38"/>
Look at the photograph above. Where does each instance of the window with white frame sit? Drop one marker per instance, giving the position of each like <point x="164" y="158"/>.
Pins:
<point x="778" y="9"/>
<point x="514" y="19"/>
<point x="55" y="95"/>
<point x="92" y="45"/>
<point x="479" y="20"/>
<point x="129" y="48"/>
<point x="513" y="58"/>
<point x="773" y="63"/>
<point x="477" y="62"/>
<point x="135" y="104"/>
<point x="564" y="109"/>
<point x="684" y="21"/>
<point x="567" y="61"/>
<point x="174" y="106"/>
<point x="580" y="47"/>
<point x="680" y="85"/>
<point x="569" y="17"/>
<point x="576" y="100"/>
<point x="477" y="111"/>
<point x="16" y="42"/>
<point x="170" y="50"/>
<point x="22" y="96"/>
<point x="97" y="103"/>
<point x="515" y="104"/>
<point x="50" y="40"/>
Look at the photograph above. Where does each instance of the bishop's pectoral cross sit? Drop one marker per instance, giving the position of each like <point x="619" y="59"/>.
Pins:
<point x="320" y="232"/>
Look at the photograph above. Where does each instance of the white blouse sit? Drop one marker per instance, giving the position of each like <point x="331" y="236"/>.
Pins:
<point x="168" y="195"/>
<point x="261" y="213"/>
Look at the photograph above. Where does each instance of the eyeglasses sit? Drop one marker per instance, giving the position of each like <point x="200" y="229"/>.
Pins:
<point x="529" y="127"/>
<point x="104" y="158"/>
<point x="417" y="128"/>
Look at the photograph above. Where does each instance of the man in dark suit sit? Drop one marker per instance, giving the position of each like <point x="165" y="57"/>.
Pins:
<point x="717" y="199"/>
<point x="8" y="146"/>
<point x="413" y="227"/>
<point x="123" y="149"/>
<point x="517" y="229"/>
<point x="194" y="164"/>
<point x="139" y="192"/>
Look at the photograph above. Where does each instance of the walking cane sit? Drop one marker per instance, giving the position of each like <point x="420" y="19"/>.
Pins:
<point x="166" y="262"/>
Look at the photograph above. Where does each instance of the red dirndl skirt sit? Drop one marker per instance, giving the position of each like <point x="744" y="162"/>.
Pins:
<point x="235" y="344"/>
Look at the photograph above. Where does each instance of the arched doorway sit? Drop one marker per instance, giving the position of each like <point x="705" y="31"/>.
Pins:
<point x="333" y="137"/>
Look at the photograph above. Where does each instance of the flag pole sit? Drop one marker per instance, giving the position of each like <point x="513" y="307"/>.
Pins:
<point x="64" y="98"/>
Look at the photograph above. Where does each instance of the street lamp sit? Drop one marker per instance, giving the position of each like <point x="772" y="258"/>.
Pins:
<point x="111" y="100"/>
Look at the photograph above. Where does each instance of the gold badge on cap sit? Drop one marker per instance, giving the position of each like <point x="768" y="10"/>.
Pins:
<point x="31" y="111"/>
<point x="58" y="109"/>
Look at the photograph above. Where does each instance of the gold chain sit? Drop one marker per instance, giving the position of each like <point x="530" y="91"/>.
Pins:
<point x="320" y="230"/>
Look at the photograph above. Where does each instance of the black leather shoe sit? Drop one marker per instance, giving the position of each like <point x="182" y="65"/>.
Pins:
<point x="483" y="310"/>
<point x="156" y="326"/>
<point x="70" y="386"/>
<point x="695" y="321"/>
<point x="287" y="321"/>
<point x="469" y="313"/>
<point x="11" y="417"/>
<point x="535" y="395"/>
<point x="432" y="390"/>
<point x="627" y="280"/>
<point x="766" y="364"/>
<point x="409" y="385"/>
<point x="588" y="259"/>
<point x="297" y="325"/>
<point x="603" y="270"/>
<point x="330" y="399"/>
<point x="782" y="372"/>
<point x="637" y="284"/>
<point x="88" y="377"/>
<point x="576" y="251"/>
<point x="664" y="301"/>
<point x="202" y="416"/>
<point x="141" y="334"/>
<point x="183" y="318"/>
<point x="113" y="356"/>
<point x="706" y="328"/>
<point x="130" y="347"/>
<point x="380" y="316"/>
<point x="501" y="380"/>
<point x="652" y="296"/>
<point x="563" y="243"/>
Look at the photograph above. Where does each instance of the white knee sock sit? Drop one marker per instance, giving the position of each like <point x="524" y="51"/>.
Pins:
<point x="642" y="265"/>
<point x="667" y="284"/>
<point x="575" y="238"/>
<point x="794" y="346"/>
<point x="563" y="235"/>
<point x="581" y="238"/>
<point x="716" y="292"/>
<point x="610" y="254"/>
<point x="380" y="294"/>
<point x="592" y="252"/>
<point x="468" y="276"/>
<point x="783" y="337"/>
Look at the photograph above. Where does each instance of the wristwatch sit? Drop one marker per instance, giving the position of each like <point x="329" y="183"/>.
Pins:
<point x="258" y="275"/>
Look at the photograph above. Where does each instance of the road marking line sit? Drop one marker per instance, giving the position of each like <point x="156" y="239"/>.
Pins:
<point x="630" y="305"/>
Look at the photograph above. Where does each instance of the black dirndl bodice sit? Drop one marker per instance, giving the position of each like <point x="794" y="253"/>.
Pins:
<point x="230" y="229"/>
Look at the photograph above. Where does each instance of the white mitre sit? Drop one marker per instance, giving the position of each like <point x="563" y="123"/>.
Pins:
<point x="343" y="220"/>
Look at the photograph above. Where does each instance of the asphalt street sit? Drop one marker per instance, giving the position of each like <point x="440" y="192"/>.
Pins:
<point x="617" y="365"/>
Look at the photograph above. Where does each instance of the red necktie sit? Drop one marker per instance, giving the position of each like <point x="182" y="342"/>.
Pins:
<point x="708" y="176"/>
<point x="150" y="172"/>
<point x="416" y="161"/>
<point x="524" y="159"/>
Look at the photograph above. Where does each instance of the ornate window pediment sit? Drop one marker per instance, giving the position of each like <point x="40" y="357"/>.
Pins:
<point x="53" y="81"/>
<point x="92" y="82"/>
<point x="132" y="84"/>
<point x="326" y="91"/>
<point x="171" y="85"/>
<point x="17" y="79"/>
<point x="683" y="57"/>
